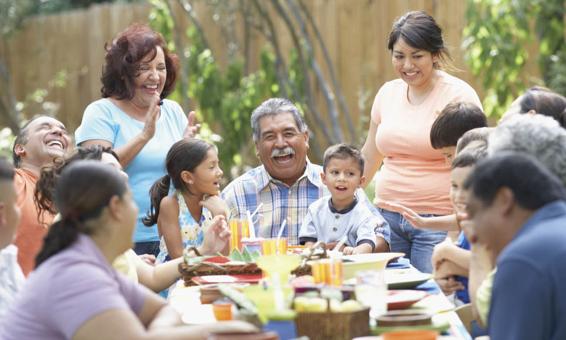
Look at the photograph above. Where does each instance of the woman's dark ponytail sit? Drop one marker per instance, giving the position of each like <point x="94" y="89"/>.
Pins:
<point x="61" y="235"/>
<point x="158" y="191"/>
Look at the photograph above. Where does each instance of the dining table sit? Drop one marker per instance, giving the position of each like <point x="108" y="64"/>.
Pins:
<point x="186" y="300"/>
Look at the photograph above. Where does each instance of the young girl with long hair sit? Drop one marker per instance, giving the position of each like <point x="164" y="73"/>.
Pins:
<point x="194" y="207"/>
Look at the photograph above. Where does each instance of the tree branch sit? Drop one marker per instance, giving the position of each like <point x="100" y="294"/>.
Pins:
<point x="330" y="66"/>
<point x="307" y="85"/>
<point x="180" y="47"/>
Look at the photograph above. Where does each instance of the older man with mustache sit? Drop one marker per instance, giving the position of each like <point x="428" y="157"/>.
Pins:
<point x="287" y="182"/>
<point x="39" y="142"/>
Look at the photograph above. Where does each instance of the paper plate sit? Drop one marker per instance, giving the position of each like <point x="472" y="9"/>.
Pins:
<point x="405" y="278"/>
<point x="199" y="315"/>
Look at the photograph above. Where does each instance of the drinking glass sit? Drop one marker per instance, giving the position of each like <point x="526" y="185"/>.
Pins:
<point x="371" y="291"/>
<point x="239" y="228"/>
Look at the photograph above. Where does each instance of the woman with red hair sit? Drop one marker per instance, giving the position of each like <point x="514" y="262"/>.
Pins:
<point x="134" y="118"/>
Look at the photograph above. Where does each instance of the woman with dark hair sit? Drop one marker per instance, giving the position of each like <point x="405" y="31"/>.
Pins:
<point x="413" y="174"/>
<point x="542" y="101"/>
<point x="74" y="292"/>
<point x="134" y="118"/>
<point x="156" y="278"/>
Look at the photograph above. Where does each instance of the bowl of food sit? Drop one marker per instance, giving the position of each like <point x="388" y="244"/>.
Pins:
<point x="353" y="264"/>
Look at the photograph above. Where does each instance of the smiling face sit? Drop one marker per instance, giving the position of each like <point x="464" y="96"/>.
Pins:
<point x="414" y="66"/>
<point x="45" y="138"/>
<point x="458" y="195"/>
<point x="342" y="177"/>
<point x="282" y="147"/>
<point x="150" y="80"/>
<point x="206" y="177"/>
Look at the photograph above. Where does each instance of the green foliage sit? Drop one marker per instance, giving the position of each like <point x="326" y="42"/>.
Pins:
<point x="13" y="13"/>
<point x="6" y="141"/>
<point x="224" y="97"/>
<point x="496" y="37"/>
<point x="56" y="6"/>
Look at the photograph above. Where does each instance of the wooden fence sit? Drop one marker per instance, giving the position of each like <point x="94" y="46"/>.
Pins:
<point x="354" y="31"/>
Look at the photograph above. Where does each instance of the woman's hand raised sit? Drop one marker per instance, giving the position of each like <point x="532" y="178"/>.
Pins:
<point x="192" y="126"/>
<point x="151" y="118"/>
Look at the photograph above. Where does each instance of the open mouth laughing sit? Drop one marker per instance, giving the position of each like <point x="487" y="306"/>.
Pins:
<point x="283" y="156"/>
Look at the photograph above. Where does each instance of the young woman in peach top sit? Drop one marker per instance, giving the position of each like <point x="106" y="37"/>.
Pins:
<point x="411" y="172"/>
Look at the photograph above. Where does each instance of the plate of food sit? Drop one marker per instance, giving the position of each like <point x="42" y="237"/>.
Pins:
<point x="405" y="278"/>
<point x="401" y="299"/>
<point x="353" y="264"/>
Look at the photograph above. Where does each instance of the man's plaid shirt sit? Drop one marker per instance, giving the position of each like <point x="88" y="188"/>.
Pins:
<point x="280" y="202"/>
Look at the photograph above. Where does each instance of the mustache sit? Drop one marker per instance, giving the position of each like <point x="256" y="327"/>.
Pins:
<point x="282" y="152"/>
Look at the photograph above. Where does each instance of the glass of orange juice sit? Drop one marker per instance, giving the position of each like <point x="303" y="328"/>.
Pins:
<point x="327" y="271"/>
<point x="239" y="228"/>
<point x="274" y="246"/>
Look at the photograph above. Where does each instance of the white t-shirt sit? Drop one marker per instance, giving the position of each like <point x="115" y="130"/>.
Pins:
<point x="11" y="277"/>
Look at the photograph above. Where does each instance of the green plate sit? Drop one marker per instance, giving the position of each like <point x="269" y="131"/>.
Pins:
<point x="436" y="326"/>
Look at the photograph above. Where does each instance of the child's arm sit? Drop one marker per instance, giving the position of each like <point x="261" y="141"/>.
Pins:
<point x="481" y="264"/>
<point x="308" y="232"/>
<point x="448" y="251"/>
<point x="449" y="268"/>
<point x="309" y="244"/>
<point x="364" y="248"/>
<point x="159" y="277"/>
<point x="216" y="205"/>
<point x="168" y="226"/>
<point x="446" y="223"/>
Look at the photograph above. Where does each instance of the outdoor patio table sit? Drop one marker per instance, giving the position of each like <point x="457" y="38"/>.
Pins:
<point x="186" y="300"/>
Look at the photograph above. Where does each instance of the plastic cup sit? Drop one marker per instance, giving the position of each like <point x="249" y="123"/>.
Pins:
<point x="274" y="246"/>
<point x="253" y="244"/>
<point x="328" y="271"/>
<point x="222" y="311"/>
<point x="239" y="228"/>
<point x="371" y="291"/>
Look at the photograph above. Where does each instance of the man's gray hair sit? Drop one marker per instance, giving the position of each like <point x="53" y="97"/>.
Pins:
<point x="272" y="107"/>
<point x="536" y="135"/>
